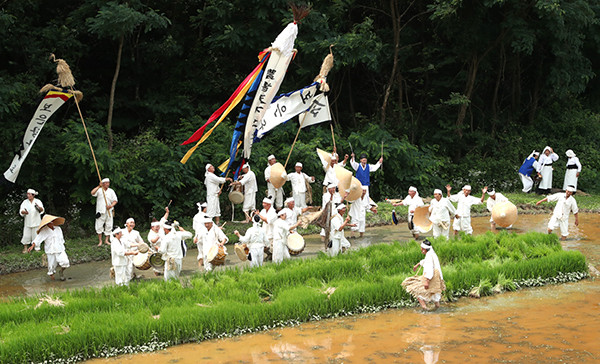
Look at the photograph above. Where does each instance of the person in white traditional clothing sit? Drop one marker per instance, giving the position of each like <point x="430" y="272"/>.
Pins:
<point x="565" y="204"/>
<point x="364" y="170"/>
<point x="412" y="200"/>
<point x="299" y="181"/>
<point x="465" y="201"/>
<point x="119" y="254"/>
<point x="335" y="198"/>
<point x="530" y="166"/>
<point x="213" y="236"/>
<point x="440" y="210"/>
<point x="248" y="180"/>
<point x="106" y="199"/>
<point x="132" y="240"/>
<point x="268" y="215"/>
<point x="275" y="193"/>
<point x="256" y="240"/>
<point x="31" y="209"/>
<point x="358" y="212"/>
<point x="213" y="190"/>
<point x="493" y="199"/>
<point x="572" y="172"/>
<point x="546" y="159"/>
<point x="430" y="285"/>
<point x="338" y="223"/>
<point x="292" y="211"/>
<point x="330" y="177"/>
<point x="281" y="230"/>
<point x="173" y="248"/>
<point x="154" y="239"/>
<point x="199" y="230"/>
<point x="51" y="235"/>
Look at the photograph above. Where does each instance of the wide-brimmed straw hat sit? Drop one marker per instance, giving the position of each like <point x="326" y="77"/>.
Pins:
<point x="50" y="218"/>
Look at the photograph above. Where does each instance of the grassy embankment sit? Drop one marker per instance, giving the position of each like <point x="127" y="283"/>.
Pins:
<point x="150" y="315"/>
<point x="85" y="250"/>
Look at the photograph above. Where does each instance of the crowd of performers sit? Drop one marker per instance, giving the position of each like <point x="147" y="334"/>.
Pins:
<point x="279" y="217"/>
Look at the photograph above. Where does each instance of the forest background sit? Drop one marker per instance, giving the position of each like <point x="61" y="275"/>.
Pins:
<point x="459" y="92"/>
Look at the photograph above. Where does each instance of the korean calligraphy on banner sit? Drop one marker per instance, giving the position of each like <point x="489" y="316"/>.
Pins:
<point x="285" y="107"/>
<point x="319" y="112"/>
<point x="51" y="102"/>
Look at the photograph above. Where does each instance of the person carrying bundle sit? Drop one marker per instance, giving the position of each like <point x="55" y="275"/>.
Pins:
<point x="430" y="285"/>
<point x="493" y="199"/>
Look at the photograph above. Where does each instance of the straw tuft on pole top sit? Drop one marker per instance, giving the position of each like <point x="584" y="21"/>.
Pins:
<point x="300" y="11"/>
<point x="65" y="77"/>
<point x="325" y="68"/>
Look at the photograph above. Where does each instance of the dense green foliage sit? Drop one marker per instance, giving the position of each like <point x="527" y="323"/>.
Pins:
<point x="457" y="90"/>
<point x="234" y="301"/>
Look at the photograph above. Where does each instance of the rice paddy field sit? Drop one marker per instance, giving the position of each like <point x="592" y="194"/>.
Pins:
<point x="149" y="315"/>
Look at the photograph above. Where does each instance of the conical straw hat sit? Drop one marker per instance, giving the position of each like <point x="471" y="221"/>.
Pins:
<point x="278" y="175"/>
<point x="50" y="218"/>
<point x="355" y="190"/>
<point x="504" y="214"/>
<point x="239" y="251"/>
<point x="421" y="219"/>
<point x="325" y="158"/>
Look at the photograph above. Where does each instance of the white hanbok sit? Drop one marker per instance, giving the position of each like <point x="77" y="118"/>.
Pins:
<point x="546" y="168"/>
<point x="209" y="239"/>
<point x="250" y="189"/>
<point x="299" y="181"/>
<point x="256" y="240"/>
<point x="439" y="214"/>
<point x="330" y="176"/>
<point x="32" y="219"/>
<point x="131" y="239"/>
<point x="573" y="168"/>
<point x="271" y="216"/>
<point x="173" y="248"/>
<point x="336" y="235"/>
<point x="104" y="224"/>
<point x="119" y="261"/>
<point x="430" y="264"/>
<point x="54" y="247"/>
<point x="412" y="203"/>
<point x="358" y="213"/>
<point x="335" y="199"/>
<point x="275" y="193"/>
<point x="560" y="216"/>
<point x="199" y="230"/>
<point x="281" y="230"/>
<point x="463" y="209"/>
<point x="213" y="187"/>
<point x="291" y="215"/>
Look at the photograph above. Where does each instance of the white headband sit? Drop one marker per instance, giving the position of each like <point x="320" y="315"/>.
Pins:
<point x="341" y="206"/>
<point x="267" y="200"/>
<point x="491" y="193"/>
<point x="570" y="153"/>
<point x="571" y="189"/>
<point x="105" y="180"/>
<point x="207" y="166"/>
<point x="246" y="165"/>
<point x="365" y="188"/>
<point x="411" y="188"/>
<point x="207" y="220"/>
<point x="281" y="212"/>
<point x="288" y="200"/>
<point x="32" y="191"/>
<point x="270" y="157"/>
<point x="298" y="164"/>
<point x="116" y="231"/>
<point x="437" y="190"/>
<point x="155" y="223"/>
<point x="331" y="185"/>
<point x="425" y="246"/>
<point x="129" y="220"/>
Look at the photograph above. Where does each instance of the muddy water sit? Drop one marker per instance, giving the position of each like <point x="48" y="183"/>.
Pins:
<point x="544" y="325"/>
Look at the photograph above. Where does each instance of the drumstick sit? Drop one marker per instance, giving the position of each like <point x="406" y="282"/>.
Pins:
<point x="169" y="203"/>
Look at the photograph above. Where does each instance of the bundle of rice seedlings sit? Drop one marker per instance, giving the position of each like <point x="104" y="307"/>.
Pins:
<point x="484" y="288"/>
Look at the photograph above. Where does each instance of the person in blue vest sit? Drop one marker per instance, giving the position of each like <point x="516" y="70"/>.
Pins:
<point x="364" y="170"/>
<point x="529" y="166"/>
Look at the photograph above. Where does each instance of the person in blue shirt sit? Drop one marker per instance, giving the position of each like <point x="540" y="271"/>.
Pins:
<point x="529" y="167"/>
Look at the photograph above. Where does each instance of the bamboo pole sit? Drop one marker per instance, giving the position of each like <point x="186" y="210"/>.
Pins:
<point x="296" y="138"/>
<point x="333" y="137"/>
<point x="91" y="149"/>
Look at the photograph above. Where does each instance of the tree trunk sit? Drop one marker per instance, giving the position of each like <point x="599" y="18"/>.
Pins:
<point x="499" y="78"/>
<point x="111" y="99"/>
<point x="388" y="88"/>
<point x="471" y="77"/>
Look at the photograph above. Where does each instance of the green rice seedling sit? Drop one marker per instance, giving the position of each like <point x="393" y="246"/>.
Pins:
<point x="504" y="284"/>
<point x="484" y="288"/>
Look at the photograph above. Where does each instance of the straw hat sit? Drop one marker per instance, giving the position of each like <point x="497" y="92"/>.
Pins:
<point x="239" y="251"/>
<point x="48" y="219"/>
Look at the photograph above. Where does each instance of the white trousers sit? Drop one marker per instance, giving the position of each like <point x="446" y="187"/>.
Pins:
<point x="570" y="178"/>
<point x="439" y="231"/>
<point x="527" y="182"/>
<point x="29" y="234"/>
<point x="249" y="202"/>
<point x="563" y="224"/>
<point x="546" y="182"/>
<point x="258" y="255"/>
<point x="54" y="260"/>
<point x="299" y="199"/>
<point x="276" y="194"/>
<point x="463" y="224"/>
<point x="173" y="273"/>
<point x="121" y="277"/>
<point x="360" y="225"/>
<point x="130" y="267"/>
<point x="336" y="245"/>
<point x="104" y="224"/>
<point x="280" y="251"/>
<point x="213" y="209"/>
